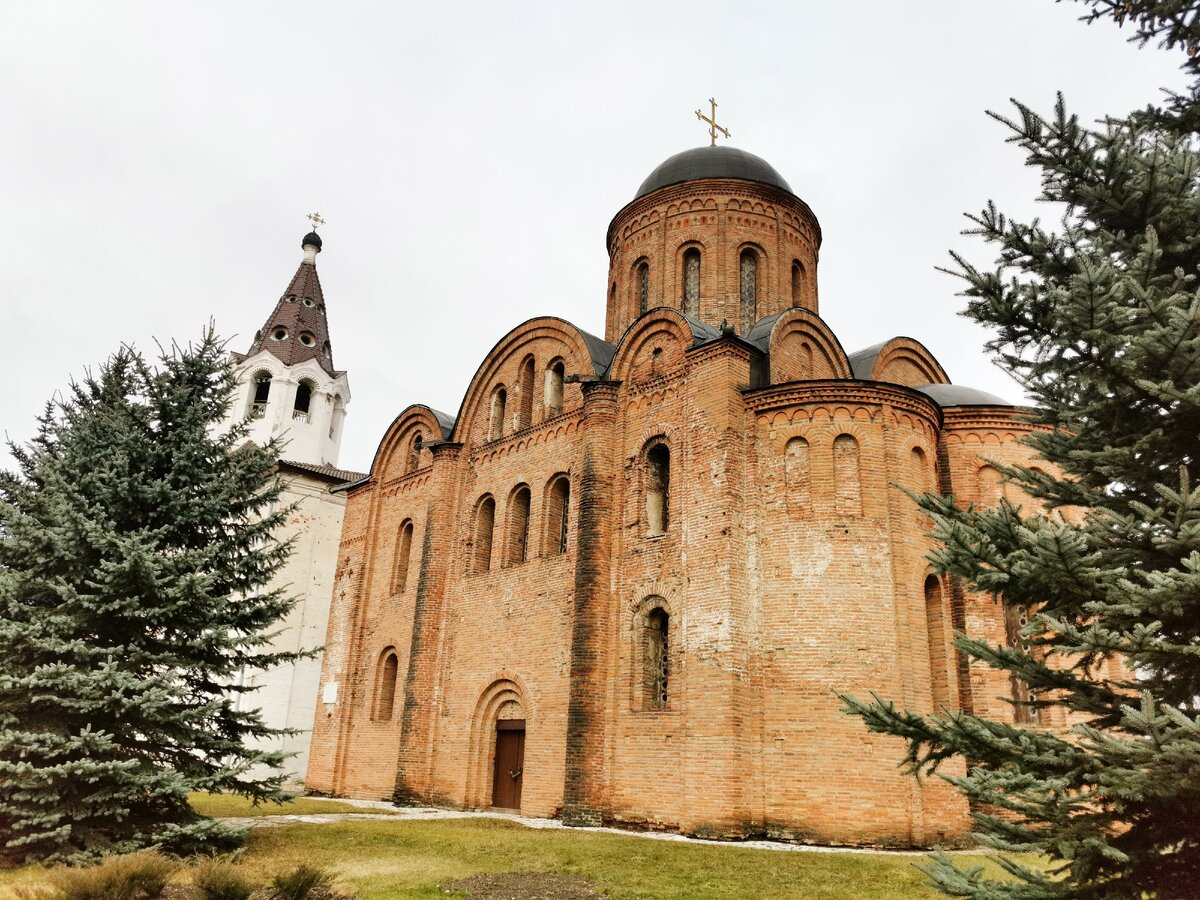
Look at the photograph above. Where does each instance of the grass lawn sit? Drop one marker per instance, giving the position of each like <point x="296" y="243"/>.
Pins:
<point x="229" y="805"/>
<point x="384" y="859"/>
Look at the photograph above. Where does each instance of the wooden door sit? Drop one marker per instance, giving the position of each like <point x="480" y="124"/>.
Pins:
<point x="510" y="762"/>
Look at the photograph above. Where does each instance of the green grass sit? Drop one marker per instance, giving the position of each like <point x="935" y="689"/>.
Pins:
<point x="385" y="859"/>
<point x="217" y="805"/>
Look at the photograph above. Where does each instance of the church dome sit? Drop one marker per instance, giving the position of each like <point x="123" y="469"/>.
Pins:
<point x="712" y="162"/>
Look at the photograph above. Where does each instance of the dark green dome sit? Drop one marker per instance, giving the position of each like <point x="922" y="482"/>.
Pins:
<point x="712" y="162"/>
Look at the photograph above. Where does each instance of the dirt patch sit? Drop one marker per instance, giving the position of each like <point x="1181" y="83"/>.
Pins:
<point x="526" y="886"/>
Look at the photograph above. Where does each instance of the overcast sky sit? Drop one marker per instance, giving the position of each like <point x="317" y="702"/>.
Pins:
<point x="157" y="161"/>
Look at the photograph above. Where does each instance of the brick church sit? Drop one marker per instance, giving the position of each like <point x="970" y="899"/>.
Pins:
<point x="625" y="582"/>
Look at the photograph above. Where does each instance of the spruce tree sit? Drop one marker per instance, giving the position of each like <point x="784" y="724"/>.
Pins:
<point x="135" y="546"/>
<point x="1098" y="317"/>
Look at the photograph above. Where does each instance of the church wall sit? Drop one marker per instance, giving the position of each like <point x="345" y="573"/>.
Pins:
<point x="287" y="694"/>
<point x="840" y="582"/>
<point x="973" y="439"/>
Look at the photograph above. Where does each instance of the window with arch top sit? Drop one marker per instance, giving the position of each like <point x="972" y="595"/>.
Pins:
<point x="485" y="520"/>
<point x="403" y="553"/>
<point x="385" y="690"/>
<point x="557" y="512"/>
<point x="304" y="392"/>
<point x="525" y="389"/>
<point x="518" y="526"/>
<point x="414" y="452"/>
<point x="262" y="393"/>
<point x="656" y="659"/>
<point x="658" y="488"/>
<point x="496" y="421"/>
<point x="748" y="288"/>
<point x="797" y="282"/>
<point x="691" y="282"/>
<point x="642" y="280"/>
<point x="556" y="375"/>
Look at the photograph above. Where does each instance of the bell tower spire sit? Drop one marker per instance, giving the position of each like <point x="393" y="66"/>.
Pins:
<point x="289" y="386"/>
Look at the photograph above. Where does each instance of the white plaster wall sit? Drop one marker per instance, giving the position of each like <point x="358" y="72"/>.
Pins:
<point x="287" y="695"/>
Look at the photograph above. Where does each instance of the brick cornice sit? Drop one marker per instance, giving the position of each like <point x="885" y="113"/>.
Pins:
<point x="873" y="393"/>
<point x="964" y="418"/>
<point x="726" y="187"/>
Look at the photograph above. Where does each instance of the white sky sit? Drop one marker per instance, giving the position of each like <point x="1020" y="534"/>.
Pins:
<point x="157" y="161"/>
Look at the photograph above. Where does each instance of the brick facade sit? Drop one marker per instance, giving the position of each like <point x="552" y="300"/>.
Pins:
<point x="738" y="550"/>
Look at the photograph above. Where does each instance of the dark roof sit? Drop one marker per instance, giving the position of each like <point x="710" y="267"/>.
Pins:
<point x="712" y="162"/>
<point x="445" y="422"/>
<point x="862" y="362"/>
<point x="945" y="395"/>
<point x="327" y="473"/>
<point x="311" y="238"/>
<point x="600" y="351"/>
<point x="301" y="310"/>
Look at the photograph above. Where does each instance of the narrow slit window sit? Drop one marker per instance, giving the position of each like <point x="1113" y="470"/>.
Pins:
<point x="748" y="289"/>
<point x="691" y="282"/>
<point x="414" y="452"/>
<point x="797" y="283"/>
<point x="657" y="659"/>
<point x="518" y="526"/>
<point x="939" y="645"/>
<point x="558" y="510"/>
<point x="496" y="425"/>
<point x="386" y="695"/>
<point x="556" y="375"/>
<point x="658" y="488"/>
<point x="525" y="387"/>
<point x="643" y="285"/>
<point x="485" y="520"/>
<point x="403" y="552"/>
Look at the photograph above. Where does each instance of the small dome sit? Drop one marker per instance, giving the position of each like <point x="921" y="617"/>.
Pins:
<point x="311" y="238"/>
<point x="712" y="162"/>
<point x="959" y="395"/>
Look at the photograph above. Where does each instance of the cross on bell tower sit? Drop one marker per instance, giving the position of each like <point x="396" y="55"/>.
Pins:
<point x="713" y="127"/>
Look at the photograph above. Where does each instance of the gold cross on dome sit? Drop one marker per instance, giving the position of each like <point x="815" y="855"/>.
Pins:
<point x="316" y="220"/>
<point x="713" y="127"/>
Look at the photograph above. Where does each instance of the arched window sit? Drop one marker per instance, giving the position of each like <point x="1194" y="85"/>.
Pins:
<point x="525" y="387"/>
<point x="385" y="691"/>
<point x="748" y="288"/>
<point x="335" y="417"/>
<point x="518" y="526"/>
<point x="658" y="488"/>
<point x="643" y="285"/>
<point x="691" y="282"/>
<point x="1016" y="619"/>
<point x="496" y="424"/>
<point x="939" y="645"/>
<point x="485" y="520"/>
<point x="847" y="476"/>
<point x="797" y="282"/>
<point x="262" y="393"/>
<point x="798" y="474"/>
<point x="403" y="552"/>
<point x="304" y="392"/>
<point x="656" y="658"/>
<point x="414" y="452"/>
<point x="989" y="485"/>
<point x="920" y="479"/>
<point x="556" y="374"/>
<point x="557" y="509"/>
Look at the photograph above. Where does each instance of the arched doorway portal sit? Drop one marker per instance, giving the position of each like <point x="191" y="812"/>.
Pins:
<point x="496" y="768"/>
